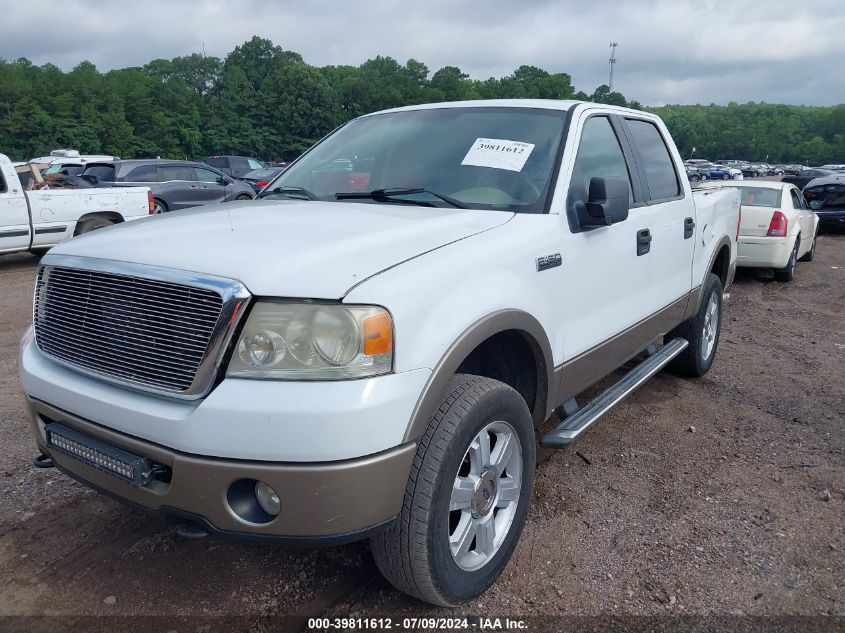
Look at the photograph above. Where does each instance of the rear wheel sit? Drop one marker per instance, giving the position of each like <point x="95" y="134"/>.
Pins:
<point x="244" y="196"/>
<point x="467" y="496"/>
<point x="787" y="273"/>
<point x="92" y="224"/>
<point x="160" y="207"/>
<point x="702" y="331"/>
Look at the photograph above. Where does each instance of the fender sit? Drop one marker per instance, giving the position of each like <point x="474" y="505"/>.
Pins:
<point x="472" y="337"/>
<point x="695" y="294"/>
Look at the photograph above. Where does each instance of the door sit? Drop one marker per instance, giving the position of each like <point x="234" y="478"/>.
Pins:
<point x="669" y="215"/>
<point x="14" y="214"/>
<point x="179" y="187"/>
<point x="210" y="189"/>
<point x="606" y="292"/>
<point x="805" y="219"/>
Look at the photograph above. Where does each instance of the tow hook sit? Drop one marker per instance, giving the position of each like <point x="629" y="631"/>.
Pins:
<point x="191" y="531"/>
<point x="43" y="461"/>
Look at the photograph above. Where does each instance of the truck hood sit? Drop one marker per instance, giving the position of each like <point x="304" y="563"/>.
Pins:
<point x="316" y="250"/>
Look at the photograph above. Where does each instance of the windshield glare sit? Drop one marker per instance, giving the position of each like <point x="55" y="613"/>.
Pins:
<point x="485" y="158"/>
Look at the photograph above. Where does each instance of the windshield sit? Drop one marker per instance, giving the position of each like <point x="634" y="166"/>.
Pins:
<point x="483" y="158"/>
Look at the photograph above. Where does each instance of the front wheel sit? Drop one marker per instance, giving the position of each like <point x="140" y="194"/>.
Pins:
<point x="467" y="495"/>
<point x="702" y="331"/>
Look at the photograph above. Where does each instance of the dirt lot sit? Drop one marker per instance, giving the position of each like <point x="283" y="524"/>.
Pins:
<point x="721" y="496"/>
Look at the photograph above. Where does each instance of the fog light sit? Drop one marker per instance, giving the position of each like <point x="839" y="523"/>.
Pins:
<point x="267" y="498"/>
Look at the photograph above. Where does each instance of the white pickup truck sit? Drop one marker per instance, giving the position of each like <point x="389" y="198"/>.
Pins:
<point x="367" y="350"/>
<point x="36" y="219"/>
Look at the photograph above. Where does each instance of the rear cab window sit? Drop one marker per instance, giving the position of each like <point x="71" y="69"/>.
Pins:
<point x="216" y="161"/>
<point x="103" y="173"/>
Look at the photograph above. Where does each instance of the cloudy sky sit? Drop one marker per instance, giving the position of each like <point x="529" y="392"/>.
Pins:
<point x="673" y="51"/>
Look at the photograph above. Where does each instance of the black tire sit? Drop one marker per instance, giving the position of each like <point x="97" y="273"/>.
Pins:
<point x="414" y="554"/>
<point x="244" y="196"/>
<point x="160" y="206"/>
<point x="810" y="254"/>
<point x="787" y="273"/>
<point x="693" y="361"/>
<point x="92" y="224"/>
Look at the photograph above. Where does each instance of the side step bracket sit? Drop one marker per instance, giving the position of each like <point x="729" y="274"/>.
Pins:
<point x="570" y="428"/>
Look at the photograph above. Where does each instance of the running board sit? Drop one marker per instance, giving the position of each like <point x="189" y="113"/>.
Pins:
<point x="572" y="427"/>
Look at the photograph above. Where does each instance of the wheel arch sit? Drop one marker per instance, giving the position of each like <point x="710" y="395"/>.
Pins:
<point x="114" y="216"/>
<point x="476" y="340"/>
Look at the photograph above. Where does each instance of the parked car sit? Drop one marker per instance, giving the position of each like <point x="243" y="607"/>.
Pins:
<point x="807" y="175"/>
<point x="716" y="172"/>
<point x="234" y="166"/>
<point x="755" y="170"/>
<point x="694" y="175"/>
<point x="260" y="178"/>
<point x="733" y="172"/>
<point x="34" y="219"/>
<point x="176" y="184"/>
<point x="826" y="196"/>
<point x="776" y="230"/>
<point x="789" y="170"/>
<point x="374" y="363"/>
<point x="69" y="161"/>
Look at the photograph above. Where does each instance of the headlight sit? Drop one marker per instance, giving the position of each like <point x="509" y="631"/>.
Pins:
<point x="286" y="340"/>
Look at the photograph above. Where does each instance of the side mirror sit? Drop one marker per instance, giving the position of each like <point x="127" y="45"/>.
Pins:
<point x="222" y="181"/>
<point x="607" y="203"/>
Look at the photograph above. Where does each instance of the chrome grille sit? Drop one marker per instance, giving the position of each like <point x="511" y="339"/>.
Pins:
<point x="148" y="332"/>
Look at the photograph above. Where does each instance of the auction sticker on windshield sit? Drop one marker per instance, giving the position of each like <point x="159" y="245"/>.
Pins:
<point x="498" y="153"/>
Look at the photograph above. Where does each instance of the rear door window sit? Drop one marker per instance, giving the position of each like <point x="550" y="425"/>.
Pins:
<point x="254" y="164"/>
<point x="658" y="165"/>
<point x="169" y="173"/>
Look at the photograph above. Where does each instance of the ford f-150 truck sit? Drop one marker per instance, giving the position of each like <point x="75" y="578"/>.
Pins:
<point x="366" y="351"/>
<point x="36" y="219"/>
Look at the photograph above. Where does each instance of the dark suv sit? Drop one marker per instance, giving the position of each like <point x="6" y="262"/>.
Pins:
<point x="176" y="184"/>
<point x="234" y="166"/>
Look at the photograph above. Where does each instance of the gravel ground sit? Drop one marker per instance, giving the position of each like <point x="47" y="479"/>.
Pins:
<point x="721" y="496"/>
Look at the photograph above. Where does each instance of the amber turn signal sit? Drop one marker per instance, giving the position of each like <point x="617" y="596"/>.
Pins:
<point x="378" y="334"/>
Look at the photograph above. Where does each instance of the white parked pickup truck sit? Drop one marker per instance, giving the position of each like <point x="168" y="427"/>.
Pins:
<point x="36" y="219"/>
<point x="367" y="350"/>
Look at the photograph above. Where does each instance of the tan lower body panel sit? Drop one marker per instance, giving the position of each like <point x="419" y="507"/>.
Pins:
<point x="327" y="499"/>
<point x="586" y="369"/>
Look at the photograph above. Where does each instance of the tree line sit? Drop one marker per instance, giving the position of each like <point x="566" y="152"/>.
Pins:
<point x="264" y="101"/>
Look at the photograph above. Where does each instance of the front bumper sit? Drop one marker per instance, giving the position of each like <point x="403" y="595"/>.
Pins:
<point x="260" y="420"/>
<point x="332" y="502"/>
<point x="763" y="252"/>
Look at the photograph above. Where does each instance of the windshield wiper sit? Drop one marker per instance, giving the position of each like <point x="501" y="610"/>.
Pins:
<point x="291" y="192"/>
<point x="393" y="195"/>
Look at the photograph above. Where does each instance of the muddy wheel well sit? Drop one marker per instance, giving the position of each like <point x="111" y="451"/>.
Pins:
<point x="722" y="264"/>
<point x="514" y="358"/>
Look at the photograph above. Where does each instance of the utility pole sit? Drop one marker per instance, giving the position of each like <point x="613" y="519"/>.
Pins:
<point x="612" y="60"/>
